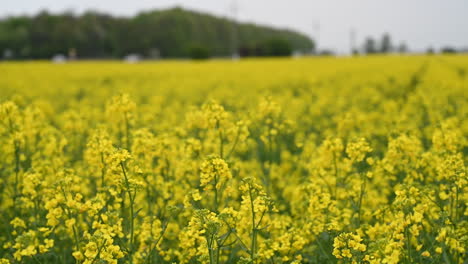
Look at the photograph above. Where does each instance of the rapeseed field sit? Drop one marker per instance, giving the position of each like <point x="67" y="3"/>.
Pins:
<point x="307" y="160"/>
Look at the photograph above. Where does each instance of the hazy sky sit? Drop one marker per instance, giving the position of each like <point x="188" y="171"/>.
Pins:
<point x="420" y="23"/>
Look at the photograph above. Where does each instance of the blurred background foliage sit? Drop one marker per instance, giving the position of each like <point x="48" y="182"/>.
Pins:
<point x="171" y="33"/>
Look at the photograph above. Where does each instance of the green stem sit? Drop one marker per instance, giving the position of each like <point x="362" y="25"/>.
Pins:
<point x="132" y="218"/>
<point x="211" y="252"/>
<point x="270" y="160"/>
<point x="408" y="247"/>
<point x="17" y="169"/>
<point x="103" y="169"/>
<point x="127" y="130"/>
<point x="77" y="241"/>
<point x="36" y="259"/>
<point x="70" y="216"/>
<point x="254" y="228"/>
<point x="234" y="144"/>
<point x="148" y="258"/>
<point x="221" y="143"/>
<point x="215" y="202"/>
<point x="361" y="195"/>
<point x="336" y="174"/>
<point x="456" y="203"/>
<point x="323" y="250"/>
<point x="99" y="251"/>
<point x="233" y="231"/>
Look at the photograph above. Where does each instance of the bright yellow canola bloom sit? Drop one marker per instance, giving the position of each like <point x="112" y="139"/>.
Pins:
<point x="310" y="160"/>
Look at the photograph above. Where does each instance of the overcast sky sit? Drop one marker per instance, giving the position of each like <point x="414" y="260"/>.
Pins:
<point x="420" y="23"/>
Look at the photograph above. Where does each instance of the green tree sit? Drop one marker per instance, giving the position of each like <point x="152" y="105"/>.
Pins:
<point x="386" y="45"/>
<point x="370" y="46"/>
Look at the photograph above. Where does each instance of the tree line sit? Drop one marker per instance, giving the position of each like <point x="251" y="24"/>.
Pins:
<point x="170" y="33"/>
<point x="386" y="45"/>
